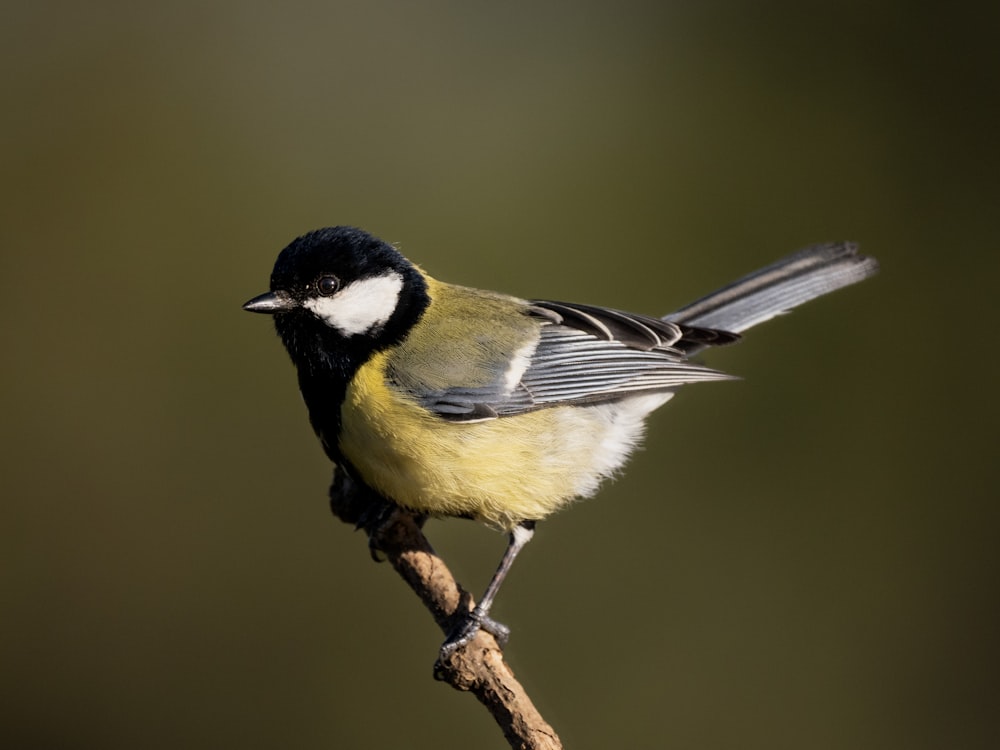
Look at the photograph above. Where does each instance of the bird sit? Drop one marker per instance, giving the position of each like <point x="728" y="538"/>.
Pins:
<point x="452" y="401"/>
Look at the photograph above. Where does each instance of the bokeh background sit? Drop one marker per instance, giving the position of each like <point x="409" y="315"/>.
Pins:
<point x="805" y="558"/>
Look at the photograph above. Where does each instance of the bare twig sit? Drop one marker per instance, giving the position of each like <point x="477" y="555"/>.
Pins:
<point x="479" y="666"/>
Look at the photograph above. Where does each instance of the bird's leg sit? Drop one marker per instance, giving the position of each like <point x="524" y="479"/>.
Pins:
<point x="479" y="616"/>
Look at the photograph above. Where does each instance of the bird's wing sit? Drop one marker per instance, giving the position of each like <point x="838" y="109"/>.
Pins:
<point x="583" y="355"/>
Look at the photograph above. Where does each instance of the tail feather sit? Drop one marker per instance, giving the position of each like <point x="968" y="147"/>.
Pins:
<point x="778" y="288"/>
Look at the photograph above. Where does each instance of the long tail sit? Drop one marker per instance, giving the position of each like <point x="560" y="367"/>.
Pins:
<point x="779" y="287"/>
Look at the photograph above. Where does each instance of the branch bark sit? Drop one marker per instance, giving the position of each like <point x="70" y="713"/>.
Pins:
<point x="479" y="666"/>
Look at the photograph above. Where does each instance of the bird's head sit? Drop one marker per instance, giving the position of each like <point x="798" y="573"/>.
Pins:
<point x="340" y="291"/>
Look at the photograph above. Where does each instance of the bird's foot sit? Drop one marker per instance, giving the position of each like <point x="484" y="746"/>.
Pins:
<point x="467" y="628"/>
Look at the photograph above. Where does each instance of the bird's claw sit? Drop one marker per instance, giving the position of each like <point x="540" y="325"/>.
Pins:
<point x="497" y="629"/>
<point x="467" y="628"/>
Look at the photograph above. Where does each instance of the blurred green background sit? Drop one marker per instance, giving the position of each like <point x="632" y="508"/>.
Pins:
<point x="807" y="558"/>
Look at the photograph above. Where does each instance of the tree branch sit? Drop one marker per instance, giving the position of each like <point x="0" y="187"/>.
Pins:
<point x="479" y="666"/>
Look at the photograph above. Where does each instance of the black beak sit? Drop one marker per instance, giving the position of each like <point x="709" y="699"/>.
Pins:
<point x="270" y="303"/>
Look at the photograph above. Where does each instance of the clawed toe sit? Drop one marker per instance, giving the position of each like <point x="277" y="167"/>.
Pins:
<point x="467" y="628"/>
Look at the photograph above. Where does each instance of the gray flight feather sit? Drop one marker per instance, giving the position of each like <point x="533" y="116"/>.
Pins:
<point x="778" y="288"/>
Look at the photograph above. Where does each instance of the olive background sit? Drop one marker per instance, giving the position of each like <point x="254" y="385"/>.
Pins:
<point x="807" y="557"/>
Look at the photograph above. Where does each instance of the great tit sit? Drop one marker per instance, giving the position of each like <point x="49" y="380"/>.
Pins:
<point x="453" y="401"/>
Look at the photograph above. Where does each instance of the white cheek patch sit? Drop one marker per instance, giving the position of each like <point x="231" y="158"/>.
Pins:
<point x="361" y="306"/>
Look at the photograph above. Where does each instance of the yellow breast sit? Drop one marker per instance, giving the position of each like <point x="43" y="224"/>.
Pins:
<point x="500" y="471"/>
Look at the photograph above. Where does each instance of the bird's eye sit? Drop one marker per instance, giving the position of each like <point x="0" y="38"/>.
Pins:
<point x="327" y="285"/>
